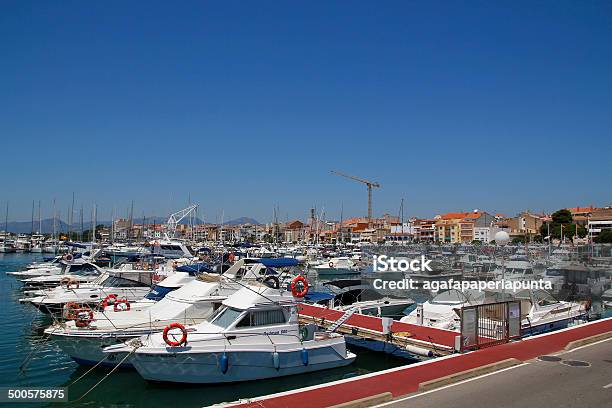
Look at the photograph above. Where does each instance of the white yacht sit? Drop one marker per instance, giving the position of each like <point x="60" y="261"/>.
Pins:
<point x="341" y="265"/>
<point x="606" y="299"/>
<point x="442" y="312"/>
<point x="77" y="272"/>
<point x="254" y="335"/>
<point x="540" y="311"/>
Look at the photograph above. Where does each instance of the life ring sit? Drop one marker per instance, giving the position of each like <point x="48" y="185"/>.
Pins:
<point x="174" y="343"/>
<point x="69" y="310"/>
<point x="107" y="300"/>
<point x="331" y="264"/>
<point x="74" y="282"/>
<point x="124" y="301"/>
<point x="64" y="282"/>
<point x="294" y="286"/>
<point x="271" y="281"/>
<point x="68" y="257"/>
<point x="81" y="321"/>
<point x="231" y="257"/>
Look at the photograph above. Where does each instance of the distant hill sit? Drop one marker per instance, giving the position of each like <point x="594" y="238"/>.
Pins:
<point x="242" y="220"/>
<point x="25" y="227"/>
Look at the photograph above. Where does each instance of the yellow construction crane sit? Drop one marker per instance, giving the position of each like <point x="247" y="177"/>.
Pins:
<point x="368" y="183"/>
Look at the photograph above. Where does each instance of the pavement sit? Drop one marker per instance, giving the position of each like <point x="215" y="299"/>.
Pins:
<point x="535" y="383"/>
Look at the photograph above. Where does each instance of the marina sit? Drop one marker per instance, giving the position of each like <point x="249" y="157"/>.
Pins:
<point x="87" y="331"/>
<point x="306" y="204"/>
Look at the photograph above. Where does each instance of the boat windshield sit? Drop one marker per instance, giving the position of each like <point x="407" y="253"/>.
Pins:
<point x="226" y="317"/>
<point x="83" y="270"/>
<point x="118" y="282"/>
<point x="456" y="296"/>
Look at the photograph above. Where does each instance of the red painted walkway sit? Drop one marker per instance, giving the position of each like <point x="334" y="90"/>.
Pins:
<point x="405" y="380"/>
<point x="428" y="334"/>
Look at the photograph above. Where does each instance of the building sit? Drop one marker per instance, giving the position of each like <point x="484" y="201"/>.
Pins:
<point x="599" y="220"/>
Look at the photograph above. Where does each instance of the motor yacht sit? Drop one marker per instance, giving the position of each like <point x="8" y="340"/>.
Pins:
<point x="254" y="335"/>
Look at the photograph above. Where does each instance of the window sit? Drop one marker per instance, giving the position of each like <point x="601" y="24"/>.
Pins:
<point x="226" y="317"/>
<point x="263" y="318"/>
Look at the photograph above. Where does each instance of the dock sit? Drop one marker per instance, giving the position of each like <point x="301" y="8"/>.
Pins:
<point x="401" y="381"/>
<point x="436" y="341"/>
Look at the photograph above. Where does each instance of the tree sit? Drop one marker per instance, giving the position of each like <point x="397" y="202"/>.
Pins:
<point x="604" y="237"/>
<point x="563" y="216"/>
<point x="562" y="222"/>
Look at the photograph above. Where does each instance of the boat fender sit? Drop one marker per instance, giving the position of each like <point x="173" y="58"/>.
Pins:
<point x="294" y="286"/>
<point x="276" y="360"/>
<point x="419" y="351"/>
<point x="271" y="281"/>
<point x="224" y="363"/>
<point x="304" y="354"/>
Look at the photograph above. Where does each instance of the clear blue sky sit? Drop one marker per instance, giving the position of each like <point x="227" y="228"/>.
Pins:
<point x="247" y="105"/>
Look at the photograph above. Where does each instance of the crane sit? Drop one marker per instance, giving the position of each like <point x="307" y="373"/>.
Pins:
<point x="368" y="183"/>
<point x="177" y="217"/>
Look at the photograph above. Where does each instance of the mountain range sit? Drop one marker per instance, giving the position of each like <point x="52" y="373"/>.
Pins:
<point x="25" y="227"/>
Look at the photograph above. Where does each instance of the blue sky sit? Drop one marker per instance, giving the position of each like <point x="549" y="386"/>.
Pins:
<point x="501" y="106"/>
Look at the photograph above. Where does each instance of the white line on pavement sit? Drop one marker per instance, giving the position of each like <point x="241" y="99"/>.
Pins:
<point x="448" y="386"/>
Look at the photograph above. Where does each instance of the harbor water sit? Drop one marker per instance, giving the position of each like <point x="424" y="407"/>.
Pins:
<point x="29" y="360"/>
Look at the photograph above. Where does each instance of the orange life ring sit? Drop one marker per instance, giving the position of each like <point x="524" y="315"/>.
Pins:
<point x="74" y="282"/>
<point x="174" y="343"/>
<point x="127" y="305"/>
<point x="294" y="286"/>
<point x="231" y="257"/>
<point x="107" y="299"/>
<point x="69" y="312"/>
<point x="83" y="321"/>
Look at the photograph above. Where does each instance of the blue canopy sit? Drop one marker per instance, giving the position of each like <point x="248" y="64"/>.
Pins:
<point x="316" y="297"/>
<point x="195" y="268"/>
<point x="278" y="262"/>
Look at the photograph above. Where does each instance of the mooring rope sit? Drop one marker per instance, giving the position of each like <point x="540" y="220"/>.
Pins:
<point x="108" y="374"/>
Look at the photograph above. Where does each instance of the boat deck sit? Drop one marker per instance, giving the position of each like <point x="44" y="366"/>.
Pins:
<point x="405" y="380"/>
<point x="440" y="342"/>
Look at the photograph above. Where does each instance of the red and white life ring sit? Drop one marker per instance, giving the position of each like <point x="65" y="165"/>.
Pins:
<point x="294" y="286"/>
<point x="120" y="301"/>
<point x="73" y="282"/>
<point x="70" y="309"/>
<point x="107" y="301"/>
<point x="68" y="257"/>
<point x="84" y="316"/>
<point x="175" y="343"/>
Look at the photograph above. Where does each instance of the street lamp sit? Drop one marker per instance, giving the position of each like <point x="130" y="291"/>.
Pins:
<point x="502" y="238"/>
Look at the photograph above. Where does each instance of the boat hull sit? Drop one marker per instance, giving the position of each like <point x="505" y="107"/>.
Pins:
<point x="206" y="368"/>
